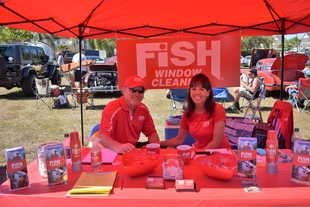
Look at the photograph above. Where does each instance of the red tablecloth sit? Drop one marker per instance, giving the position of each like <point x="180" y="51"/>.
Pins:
<point x="276" y="190"/>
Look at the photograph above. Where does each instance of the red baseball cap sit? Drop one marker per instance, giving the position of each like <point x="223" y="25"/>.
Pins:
<point x="134" y="81"/>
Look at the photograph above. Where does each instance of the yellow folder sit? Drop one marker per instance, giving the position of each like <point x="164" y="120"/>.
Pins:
<point x="93" y="184"/>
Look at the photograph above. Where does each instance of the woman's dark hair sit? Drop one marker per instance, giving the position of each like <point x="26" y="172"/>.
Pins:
<point x="203" y="80"/>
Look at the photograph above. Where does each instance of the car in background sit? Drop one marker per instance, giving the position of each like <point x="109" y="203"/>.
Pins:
<point x="92" y="55"/>
<point x="248" y="59"/>
<point x="103" y="76"/>
<point x="68" y="57"/>
<point x="21" y="64"/>
<point x="243" y="61"/>
<point x="95" y="54"/>
<point x="270" y="70"/>
<point x="308" y="54"/>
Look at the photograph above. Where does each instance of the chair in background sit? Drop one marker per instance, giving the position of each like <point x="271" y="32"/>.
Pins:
<point x="252" y="110"/>
<point x="281" y="120"/>
<point x="69" y="75"/>
<point x="303" y="93"/>
<point x="86" y="93"/>
<point x="220" y="95"/>
<point x="178" y="97"/>
<point x="94" y="130"/>
<point x="43" y="94"/>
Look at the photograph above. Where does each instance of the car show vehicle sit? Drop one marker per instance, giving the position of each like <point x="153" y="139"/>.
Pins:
<point x="21" y="64"/>
<point x="95" y="54"/>
<point x="270" y="68"/>
<point x="68" y="55"/>
<point x="248" y="59"/>
<point x="243" y="61"/>
<point x="103" y="76"/>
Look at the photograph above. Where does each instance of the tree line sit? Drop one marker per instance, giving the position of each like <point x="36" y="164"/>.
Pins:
<point x="10" y="35"/>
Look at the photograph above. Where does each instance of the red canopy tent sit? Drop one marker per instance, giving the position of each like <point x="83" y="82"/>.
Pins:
<point x="160" y="18"/>
<point x="145" y="19"/>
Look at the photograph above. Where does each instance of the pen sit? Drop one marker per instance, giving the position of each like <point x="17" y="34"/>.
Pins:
<point x="121" y="185"/>
<point x="115" y="182"/>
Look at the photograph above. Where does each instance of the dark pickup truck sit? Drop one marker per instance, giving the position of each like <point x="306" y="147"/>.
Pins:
<point x="21" y="64"/>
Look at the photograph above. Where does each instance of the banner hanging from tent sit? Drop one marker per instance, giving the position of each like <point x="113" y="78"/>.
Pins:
<point x="172" y="62"/>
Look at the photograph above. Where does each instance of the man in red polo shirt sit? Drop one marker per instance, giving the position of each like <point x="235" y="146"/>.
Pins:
<point x="124" y="119"/>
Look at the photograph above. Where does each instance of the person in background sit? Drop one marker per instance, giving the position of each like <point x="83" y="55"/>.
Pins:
<point x="77" y="72"/>
<point x="203" y="118"/>
<point x="124" y="119"/>
<point x="60" y="60"/>
<point x="246" y="89"/>
<point x="292" y="90"/>
<point x="168" y="93"/>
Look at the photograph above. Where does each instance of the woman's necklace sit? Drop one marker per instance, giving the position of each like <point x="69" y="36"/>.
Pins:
<point x="200" y="115"/>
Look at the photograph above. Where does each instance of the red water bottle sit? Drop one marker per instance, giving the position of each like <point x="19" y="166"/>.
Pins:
<point x="75" y="151"/>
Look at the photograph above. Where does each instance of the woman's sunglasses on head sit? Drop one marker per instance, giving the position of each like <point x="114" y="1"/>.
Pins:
<point x="139" y="90"/>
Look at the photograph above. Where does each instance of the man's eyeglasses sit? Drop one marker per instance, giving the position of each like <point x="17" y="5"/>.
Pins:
<point x="134" y="90"/>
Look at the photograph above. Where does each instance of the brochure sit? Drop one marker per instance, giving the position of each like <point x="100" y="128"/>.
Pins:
<point x="56" y="165"/>
<point x="17" y="172"/>
<point x="247" y="157"/>
<point x="301" y="164"/>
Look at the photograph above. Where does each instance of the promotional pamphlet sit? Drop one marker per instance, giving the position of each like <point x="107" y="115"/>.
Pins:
<point x="17" y="168"/>
<point x="56" y="165"/>
<point x="301" y="163"/>
<point x="247" y="157"/>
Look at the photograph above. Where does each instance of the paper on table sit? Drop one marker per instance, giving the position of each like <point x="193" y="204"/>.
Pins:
<point x="108" y="156"/>
<point x="220" y="150"/>
<point x="213" y="151"/>
<point x="93" y="184"/>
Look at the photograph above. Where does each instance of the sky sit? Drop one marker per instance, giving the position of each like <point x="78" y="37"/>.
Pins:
<point x="294" y="35"/>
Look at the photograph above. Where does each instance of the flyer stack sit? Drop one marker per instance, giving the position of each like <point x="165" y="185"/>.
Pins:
<point x="301" y="163"/>
<point x="17" y="168"/>
<point x="247" y="157"/>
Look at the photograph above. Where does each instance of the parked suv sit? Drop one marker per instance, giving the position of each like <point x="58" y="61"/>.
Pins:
<point x="21" y="64"/>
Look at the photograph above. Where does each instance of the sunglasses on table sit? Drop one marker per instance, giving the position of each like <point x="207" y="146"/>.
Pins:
<point x="139" y="90"/>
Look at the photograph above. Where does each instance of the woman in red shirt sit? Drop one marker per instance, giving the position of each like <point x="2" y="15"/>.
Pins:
<point x="203" y="118"/>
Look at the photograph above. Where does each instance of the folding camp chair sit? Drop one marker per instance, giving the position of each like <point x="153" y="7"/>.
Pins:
<point x="43" y="93"/>
<point x="303" y="93"/>
<point x="178" y="97"/>
<point x="87" y="94"/>
<point x="94" y="130"/>
<point x="220" y="95"/>
<point x="253" y="106"/>
<point x="281" y="120"/>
